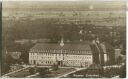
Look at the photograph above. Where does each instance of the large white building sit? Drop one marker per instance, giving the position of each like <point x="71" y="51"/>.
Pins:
<point x="70" y="55"/>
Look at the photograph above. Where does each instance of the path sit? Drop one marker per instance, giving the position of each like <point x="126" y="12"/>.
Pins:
<point x="7" y="75"/>
<point x="64" y="75"/>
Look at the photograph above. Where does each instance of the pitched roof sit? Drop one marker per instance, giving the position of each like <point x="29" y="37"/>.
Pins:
<point x="40" y="46"/>
<point x="76" y="46"/>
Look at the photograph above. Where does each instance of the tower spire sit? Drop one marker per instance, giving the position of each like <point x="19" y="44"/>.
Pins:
<point x="62" y="42"/>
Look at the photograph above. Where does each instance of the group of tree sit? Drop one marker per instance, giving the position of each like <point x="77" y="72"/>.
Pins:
<point x="50" y="28"/>
<point x="55" y="67"/>
<point x="43" y="71"/>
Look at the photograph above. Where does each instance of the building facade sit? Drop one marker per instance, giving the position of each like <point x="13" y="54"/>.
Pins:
<point x="68" y="55"/>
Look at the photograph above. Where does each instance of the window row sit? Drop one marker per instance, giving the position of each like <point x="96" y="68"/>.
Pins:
<point x="67" y="57"/>
<point x="79" y="57"/>
<point x="63" y="51"/>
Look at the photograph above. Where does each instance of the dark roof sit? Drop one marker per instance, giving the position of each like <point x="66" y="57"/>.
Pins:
<point x="40" y="46"/>
<point x="77" y="47"/>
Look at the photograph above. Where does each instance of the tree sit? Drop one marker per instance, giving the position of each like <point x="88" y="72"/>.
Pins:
<point x="31" y="70"/>
<point x="55" y="67"/>
<point x="43" y="71"/>
<point x="123" y="71"/>
<point x="25" y="51"/>
<point x="119" y="60"/>
<point x="5" y="68"/>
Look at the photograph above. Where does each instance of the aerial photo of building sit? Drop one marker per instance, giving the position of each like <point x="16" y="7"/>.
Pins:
<point x="72" y="55"/>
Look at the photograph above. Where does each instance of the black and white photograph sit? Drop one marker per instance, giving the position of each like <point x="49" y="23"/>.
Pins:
<point x="63" y="39"/>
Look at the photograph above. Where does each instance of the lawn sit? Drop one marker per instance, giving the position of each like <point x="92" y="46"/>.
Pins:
<point x="54" y="74"/>
<point x="61" y="71"/>
<point x="20" y="74"/>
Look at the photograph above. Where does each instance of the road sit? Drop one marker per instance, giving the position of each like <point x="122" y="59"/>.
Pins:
<point x="64" y="75"/>
<point x="30" y="76"/>
<point x="7" y="75"/>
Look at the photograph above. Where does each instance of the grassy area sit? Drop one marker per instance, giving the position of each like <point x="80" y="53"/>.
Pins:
<point x="20" y="74"/>
<point x="51" y="74"/>
<point x="60" y="71"/>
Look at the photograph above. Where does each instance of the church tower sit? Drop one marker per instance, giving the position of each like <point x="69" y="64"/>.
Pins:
<point x="62" y="42"/>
